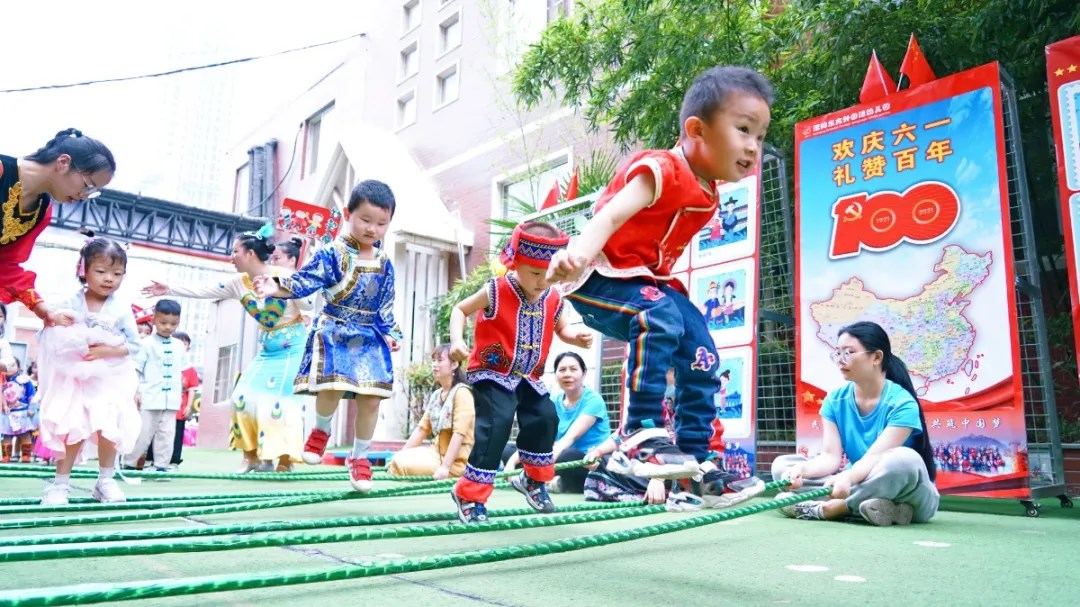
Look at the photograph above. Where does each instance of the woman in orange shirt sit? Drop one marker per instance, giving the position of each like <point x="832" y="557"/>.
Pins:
<point x="448" y="416"/>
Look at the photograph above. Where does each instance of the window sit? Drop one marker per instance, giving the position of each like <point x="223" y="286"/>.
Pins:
<point x="450" y="33"/>
<point x="313" y="138"/>
<point x="525" y="192"/>
<point x="226" y="368"/>
<point x="242" y="189"/>
<point x="406" y="109"/>
<point x="410" y="15"/>
<point x="410" y="61"/>
<point x="556" y="9"/>
<point x="447" y="86"/>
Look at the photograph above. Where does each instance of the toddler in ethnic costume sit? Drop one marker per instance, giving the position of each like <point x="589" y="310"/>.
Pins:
<point x="518" y="315"/>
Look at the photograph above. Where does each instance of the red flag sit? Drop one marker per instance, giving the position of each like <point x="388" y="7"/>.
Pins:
<point x="877" y="84"/>
<point x="571" y="188"/>
<point x="552" y="197"/>
<point x="915" y="66"/>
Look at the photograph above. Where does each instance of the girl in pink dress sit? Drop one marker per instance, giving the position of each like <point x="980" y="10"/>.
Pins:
<point x="88" y="380"/>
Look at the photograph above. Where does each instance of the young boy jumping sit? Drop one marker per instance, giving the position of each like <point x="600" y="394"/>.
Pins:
<point x="618" y="275"/>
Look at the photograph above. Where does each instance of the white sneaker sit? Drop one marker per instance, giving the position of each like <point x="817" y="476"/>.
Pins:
<point x="56" y="495"/>
<point x="107" y="491"/>
<point x="555" y="485"/>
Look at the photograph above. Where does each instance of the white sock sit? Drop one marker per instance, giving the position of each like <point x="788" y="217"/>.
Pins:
<point x="360" y="448"/>
<point x="323" y="423"/>
<point x="105" y="474"/>
<point x="62" y="479"/>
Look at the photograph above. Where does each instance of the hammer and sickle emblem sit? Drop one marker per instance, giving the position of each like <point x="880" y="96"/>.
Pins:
<point x="853" y="212"/>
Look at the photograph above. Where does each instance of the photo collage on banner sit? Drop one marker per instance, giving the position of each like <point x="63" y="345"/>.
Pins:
<point x="1063" y="77"/>
<point x="902" y="218"/>
<point x="719" y="271"/>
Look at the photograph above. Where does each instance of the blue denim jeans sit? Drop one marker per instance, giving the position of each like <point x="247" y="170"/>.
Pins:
<point x="665" y="331"/>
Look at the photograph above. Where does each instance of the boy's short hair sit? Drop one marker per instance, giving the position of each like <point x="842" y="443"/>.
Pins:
<point x="373" y="192"/>
<point x="541" y="228"/>
<point x="167" y="306"/>
<point x="710" y="90"/>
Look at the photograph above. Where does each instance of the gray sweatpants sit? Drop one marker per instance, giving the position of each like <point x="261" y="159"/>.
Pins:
<point x="900" y="475"/>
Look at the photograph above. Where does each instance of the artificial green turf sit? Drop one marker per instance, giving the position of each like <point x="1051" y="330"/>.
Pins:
<point x="990" y="559"/>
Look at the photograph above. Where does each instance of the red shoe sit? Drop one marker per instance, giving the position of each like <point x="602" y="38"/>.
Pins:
<point x="315" y="447"/>
<point x="360" y="473"/>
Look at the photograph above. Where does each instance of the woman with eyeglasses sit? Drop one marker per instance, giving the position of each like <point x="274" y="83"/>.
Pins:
<point x="876" y="421"/>
<point x="68" y="168"/>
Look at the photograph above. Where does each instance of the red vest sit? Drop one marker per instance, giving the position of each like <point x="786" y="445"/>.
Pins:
<point x="656" y="236"/>
<point x="513" y="336"/>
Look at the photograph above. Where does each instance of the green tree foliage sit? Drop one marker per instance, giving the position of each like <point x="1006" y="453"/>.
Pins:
<point x="626" y="63"/>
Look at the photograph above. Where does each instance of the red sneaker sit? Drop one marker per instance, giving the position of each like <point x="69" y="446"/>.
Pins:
<point x="315" y="447"/>
<point x="360" y="474"/>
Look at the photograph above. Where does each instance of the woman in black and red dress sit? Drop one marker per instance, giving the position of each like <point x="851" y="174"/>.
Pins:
<point x="69" y="167"/>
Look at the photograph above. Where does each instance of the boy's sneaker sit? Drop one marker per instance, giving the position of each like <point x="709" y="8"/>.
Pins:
<point x="809" y="510"/>
<point x="555" y="486"/>
<point x="649" y="453"/>
<point x="107" y="491"/>
<point x="315" y="447"/>
<point x="683" y="501"/>
<point x="719" y="488"/>
<point x="535" y="493"/>
<point x="359" y="473"/>
<point x="469" y="512"/>
<point x="882" y="512"/>
<point x="56" y="495"/>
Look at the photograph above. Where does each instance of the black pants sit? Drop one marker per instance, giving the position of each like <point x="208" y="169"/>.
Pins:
<point x="177" y="445"/>
<point x="573" y="479"/>
<point x="495" y="409"/>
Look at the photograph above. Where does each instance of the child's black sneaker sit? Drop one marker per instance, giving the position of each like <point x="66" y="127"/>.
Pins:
<point x="535" y="493"/>
<point x="649" y="453"/>
<point x="719" y="488"/>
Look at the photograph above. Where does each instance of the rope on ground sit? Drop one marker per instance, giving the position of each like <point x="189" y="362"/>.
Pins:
<point x="300" y="525"/>
<point x="147" y="505"/>
<point x="105" y="592"/>
<point x="292" y="539"/>
<point x="416" y="489"/>
<point x="45" y="472"/>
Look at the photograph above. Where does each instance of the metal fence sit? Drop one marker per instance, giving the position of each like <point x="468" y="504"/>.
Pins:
<point x="1047" y="472"/>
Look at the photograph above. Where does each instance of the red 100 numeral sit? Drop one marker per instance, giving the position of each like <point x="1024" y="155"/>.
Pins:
<point x="923" y="213"/>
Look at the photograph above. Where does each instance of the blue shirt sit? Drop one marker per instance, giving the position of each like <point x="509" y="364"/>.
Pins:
<point x="590" y="403"/>
<point x="896" y="407"/>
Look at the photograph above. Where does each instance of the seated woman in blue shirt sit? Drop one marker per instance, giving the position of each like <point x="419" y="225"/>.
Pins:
<point x="876" y="420"/>
<point x="583" y="423"/>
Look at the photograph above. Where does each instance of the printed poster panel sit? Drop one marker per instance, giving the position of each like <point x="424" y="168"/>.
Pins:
<point x="902" y="218"/>
<point x="1063" y="77"/>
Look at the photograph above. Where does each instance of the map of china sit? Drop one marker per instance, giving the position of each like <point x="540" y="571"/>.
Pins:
<point x="928" y="330"/>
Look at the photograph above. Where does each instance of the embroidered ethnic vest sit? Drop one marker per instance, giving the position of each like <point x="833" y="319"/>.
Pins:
<point x="513" y="336"/>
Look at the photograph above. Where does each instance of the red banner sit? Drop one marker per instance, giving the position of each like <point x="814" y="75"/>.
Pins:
<point x="902" y="218"/>
<point x="1063" y="77"/>
<point x="309" y="221"/>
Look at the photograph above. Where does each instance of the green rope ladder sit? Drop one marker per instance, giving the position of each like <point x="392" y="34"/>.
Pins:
<point x="107" y="592"/>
